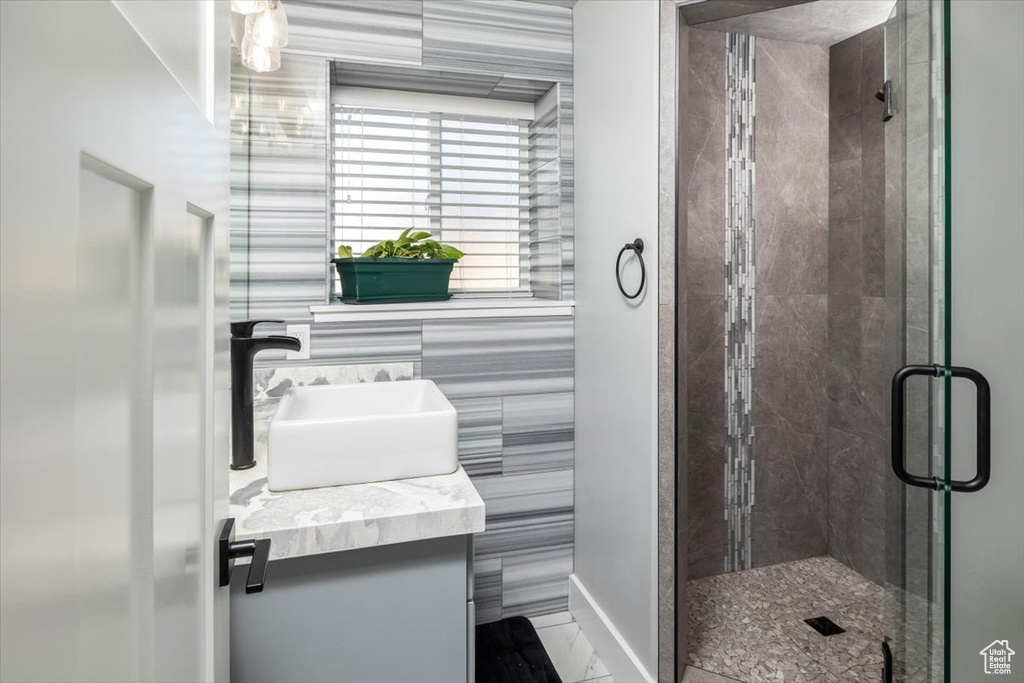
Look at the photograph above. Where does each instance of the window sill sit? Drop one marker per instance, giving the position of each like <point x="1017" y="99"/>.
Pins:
<point x="439" y="310"/>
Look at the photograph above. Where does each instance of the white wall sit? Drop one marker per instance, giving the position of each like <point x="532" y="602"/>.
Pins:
<point x="616" y="144"/>
<point x="988" y="326"/>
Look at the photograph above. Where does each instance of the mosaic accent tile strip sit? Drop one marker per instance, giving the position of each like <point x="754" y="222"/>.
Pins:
<point x="739" y="314"/>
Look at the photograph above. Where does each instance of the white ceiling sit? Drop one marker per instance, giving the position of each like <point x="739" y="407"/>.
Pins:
<point x="821" y="22"/>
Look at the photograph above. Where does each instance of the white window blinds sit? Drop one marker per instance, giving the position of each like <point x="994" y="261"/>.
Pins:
<point x="464" y="178"/>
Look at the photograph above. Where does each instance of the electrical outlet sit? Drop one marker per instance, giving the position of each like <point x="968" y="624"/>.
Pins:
<point x="300" y="332"/>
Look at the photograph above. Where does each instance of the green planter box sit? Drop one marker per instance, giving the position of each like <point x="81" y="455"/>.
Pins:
<point x="393" y="280"/>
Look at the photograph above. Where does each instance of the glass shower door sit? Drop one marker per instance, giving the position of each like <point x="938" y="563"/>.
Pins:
<point x="917" y="488"/>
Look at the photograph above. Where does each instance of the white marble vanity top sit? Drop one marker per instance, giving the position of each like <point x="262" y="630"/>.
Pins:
<point x="326" y="520"/>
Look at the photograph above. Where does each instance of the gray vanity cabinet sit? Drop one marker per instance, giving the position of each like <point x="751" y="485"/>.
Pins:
<point x="391" y="613"/>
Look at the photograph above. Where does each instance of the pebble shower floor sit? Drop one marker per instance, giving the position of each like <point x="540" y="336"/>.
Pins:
<point x="749" y="625"/>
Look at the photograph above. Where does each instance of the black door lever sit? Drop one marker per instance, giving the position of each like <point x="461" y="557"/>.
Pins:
<point x="229" y="550"/>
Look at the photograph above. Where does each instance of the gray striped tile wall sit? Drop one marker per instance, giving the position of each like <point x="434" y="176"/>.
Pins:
<point x="511" y="380"/>
<point x="282" y="207"/>
<point x="281" y="198"/>
<point x="498" y="36"/>
<point x="545" y="190"/>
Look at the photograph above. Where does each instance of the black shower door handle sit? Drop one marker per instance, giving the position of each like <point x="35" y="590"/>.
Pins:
<point x="984" y="428"/>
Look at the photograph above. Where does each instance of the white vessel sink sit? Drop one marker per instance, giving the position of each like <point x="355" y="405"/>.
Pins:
<point x="358" y="433"/>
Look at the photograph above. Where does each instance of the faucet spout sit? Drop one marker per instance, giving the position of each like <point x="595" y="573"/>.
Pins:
<point x="244" y="348"/>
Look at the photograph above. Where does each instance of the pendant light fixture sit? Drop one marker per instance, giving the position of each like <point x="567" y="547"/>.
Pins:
<point x="249" y="6"/>
<point x="258" y="58"/>
<point x="265" y="33"/>
<point x="268" y="28"/>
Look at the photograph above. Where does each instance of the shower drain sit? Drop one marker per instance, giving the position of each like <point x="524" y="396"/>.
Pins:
<point x="824" y="626"/>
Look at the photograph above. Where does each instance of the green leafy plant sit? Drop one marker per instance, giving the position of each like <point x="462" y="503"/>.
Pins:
<point x="409" y="245"/>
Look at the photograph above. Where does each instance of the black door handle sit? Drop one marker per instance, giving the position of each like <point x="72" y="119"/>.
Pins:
<point x="229" y="550"/>
<point x="984" y="428"/>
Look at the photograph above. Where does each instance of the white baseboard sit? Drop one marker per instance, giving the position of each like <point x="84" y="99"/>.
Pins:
<point x="611" y="647"/>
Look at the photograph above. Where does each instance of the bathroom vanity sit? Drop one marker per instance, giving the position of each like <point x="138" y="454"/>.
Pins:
<point x="366" y="582"/>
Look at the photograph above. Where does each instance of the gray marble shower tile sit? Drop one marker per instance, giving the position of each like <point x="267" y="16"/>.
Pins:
<point x="873" y="197"/>
<point x="844" y="136"/>
<point x="705" y="341"/>
<point x="480" y="442"/>
<point x="498" y="36"/>
<point x="362" y="30"/>
<point x="705" y="248"/>
<point x="844" y="330"/>
<point x="875" y="371"/>
<point x="791" y="244"/>
<point x="706" y="161"/>
<point x="706" y="77"/>
<point x="499" y="357"/>
<point x="845" y="199"/>
<point x="792" y="151"/>
<point x="845" y="76"/>
<point x="705" y="486"/>
<point x="856" y="514"/>
<point x="845" y="261"/>
<point x="792" y="353"/>
<point x="845" y="405"/>
<point x="872" y="61"/>
<point x="791" y="507"/>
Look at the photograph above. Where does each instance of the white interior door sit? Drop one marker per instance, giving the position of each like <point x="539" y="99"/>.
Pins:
<point x="113" y="339"/>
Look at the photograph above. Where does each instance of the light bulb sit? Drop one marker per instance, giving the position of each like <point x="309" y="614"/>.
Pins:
<point x="249" y="6"/>
<point x="268" y="28"/>
<point x="258" y="58"/>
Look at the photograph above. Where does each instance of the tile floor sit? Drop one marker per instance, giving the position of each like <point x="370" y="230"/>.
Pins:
<point x="570" y="651"/>
<point x="749" y="625"/>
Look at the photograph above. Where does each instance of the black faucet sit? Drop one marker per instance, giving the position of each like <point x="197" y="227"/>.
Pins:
<point x="243" y="348"/>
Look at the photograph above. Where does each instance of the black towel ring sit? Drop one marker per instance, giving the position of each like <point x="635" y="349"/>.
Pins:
<point x="637" y="247"/>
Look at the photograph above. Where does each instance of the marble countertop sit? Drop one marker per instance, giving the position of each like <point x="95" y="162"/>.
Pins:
<point x="326" y="520"/>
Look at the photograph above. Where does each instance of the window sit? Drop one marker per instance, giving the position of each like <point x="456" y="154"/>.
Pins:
<point x="462" y="177"/>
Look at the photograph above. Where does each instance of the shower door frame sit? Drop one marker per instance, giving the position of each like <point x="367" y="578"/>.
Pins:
<point x="672" y="427"/>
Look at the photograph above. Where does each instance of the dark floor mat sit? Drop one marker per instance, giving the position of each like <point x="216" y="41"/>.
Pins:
<point x="509" y="651"/>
